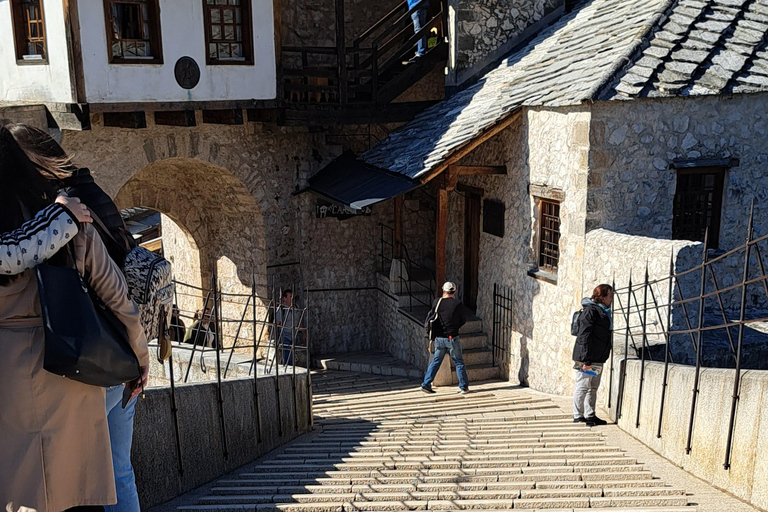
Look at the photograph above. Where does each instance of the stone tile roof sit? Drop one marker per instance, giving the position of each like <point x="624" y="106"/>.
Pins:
<point x="702" y="47"/>
<point x="564" y="65"/>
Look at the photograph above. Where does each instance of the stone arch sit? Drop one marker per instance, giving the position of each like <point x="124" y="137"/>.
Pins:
<point x="216" y="211"/>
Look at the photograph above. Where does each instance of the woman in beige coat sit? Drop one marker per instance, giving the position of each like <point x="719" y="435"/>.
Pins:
<point x="54" y="441"/>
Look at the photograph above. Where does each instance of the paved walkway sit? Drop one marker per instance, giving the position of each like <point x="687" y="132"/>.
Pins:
<point x="381" y="444"/>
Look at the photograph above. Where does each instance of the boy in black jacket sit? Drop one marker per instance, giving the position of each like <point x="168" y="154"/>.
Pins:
<point x="591" y="350"/>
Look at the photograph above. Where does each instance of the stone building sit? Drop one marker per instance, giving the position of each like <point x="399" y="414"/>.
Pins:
<point x="524" y="126"/>
<point x="608" y="142"/>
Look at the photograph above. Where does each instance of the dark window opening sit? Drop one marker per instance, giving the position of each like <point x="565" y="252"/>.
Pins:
<point x="228" y="31"/>
<point x="549" y="235"/>
<point x="29" y="30"/>
<point x="698" y="205"/>
<point x="133" y="31"/>
<point x="493" y="217"/>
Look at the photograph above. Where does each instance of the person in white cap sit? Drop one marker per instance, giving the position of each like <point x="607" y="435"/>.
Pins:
<point x="443" y="322"/>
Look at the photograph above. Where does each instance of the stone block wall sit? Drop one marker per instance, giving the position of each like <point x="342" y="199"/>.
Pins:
<point x="488" y="29"/>
<point x="631" y="187"/>
<point x="154" y="455"/>
<point x="548" y="148"/>
<point x="748" y="476"/>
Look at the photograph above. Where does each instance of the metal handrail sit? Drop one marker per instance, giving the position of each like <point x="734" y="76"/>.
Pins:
<point x="410" y="266"/>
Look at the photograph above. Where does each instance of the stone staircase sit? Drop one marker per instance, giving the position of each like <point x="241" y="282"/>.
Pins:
<point x="383" y="445"/>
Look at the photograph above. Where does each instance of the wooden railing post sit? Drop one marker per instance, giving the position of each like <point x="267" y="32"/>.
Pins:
<point x="341" y="51"/>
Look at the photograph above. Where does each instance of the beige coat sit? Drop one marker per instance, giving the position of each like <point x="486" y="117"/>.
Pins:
<point x="54" y="441"/>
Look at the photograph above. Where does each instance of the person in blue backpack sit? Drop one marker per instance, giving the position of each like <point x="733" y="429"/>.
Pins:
<point x="591" y="350"/>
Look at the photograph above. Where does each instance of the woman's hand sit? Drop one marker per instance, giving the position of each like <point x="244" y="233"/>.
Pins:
<point x="138" y="385"/>
<point x="78" y="209"/>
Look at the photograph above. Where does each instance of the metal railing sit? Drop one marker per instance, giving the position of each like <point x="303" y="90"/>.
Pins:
<point x="667" y="314"/>
<point x="345" y="74"/>
<point x="501" y="337"/>
<point x="252" y="330"/>
<point x="414" y="287"/>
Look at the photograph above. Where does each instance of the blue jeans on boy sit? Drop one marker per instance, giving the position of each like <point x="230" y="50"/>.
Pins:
<point x="419" y="18"/>
<point x="120" y="438"/>
<point x="287" y="350"/>
<point x="447" y="346"/>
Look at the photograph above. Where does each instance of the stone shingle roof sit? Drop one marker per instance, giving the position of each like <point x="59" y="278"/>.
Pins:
<point x="703" y="47"/>
<point x="605" y="49"/>
<point x="564" y="65"/>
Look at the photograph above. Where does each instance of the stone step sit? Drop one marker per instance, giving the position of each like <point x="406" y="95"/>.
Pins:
<point x="479" y="373"/>
<point x="477" y="356"/>
<point x="473" y="340"/>
<point x="435" y="505"/>
<point x="474" y="325"/>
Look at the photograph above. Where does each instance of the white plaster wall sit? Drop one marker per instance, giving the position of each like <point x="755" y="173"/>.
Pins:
<point x="182" y="35"/>
<point x="34" y="83"/>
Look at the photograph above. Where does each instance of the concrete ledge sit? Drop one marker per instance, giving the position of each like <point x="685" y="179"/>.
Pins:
<point x="154" y="452"/>
<point x="747" y="477"/>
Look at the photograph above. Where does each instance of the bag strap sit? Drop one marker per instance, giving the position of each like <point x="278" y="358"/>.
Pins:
<point x="105" y="232"/>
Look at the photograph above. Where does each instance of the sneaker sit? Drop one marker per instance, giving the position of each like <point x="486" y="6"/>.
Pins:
<point x="427" y="390"/>
<point x="465" y="391"/>
<point x="580" y="419"/>
<point x="595" y="421"/>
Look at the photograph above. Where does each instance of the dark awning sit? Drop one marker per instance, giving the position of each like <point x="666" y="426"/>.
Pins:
<point x="356" y="184"/>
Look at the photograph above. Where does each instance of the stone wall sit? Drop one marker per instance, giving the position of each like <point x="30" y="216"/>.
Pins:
<point x="547" y="148"/>
<point x="748" y="475"/>
<point x="154" y="454"/>
<point x="399" y="335"/>
<point x="181" y="250"/>
<point x="633" y="144"/>
<point x="488" y="29"/>
<point x="340" y="260"/>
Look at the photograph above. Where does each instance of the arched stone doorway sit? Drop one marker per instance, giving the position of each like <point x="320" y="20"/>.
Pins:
<point x="213" y="210"/>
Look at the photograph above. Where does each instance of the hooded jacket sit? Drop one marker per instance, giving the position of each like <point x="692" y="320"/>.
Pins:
<point x="593" y="342"/>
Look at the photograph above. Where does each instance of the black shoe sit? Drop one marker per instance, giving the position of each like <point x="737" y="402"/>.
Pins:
<point x="428" y="390"/>
<point x="595" y="421"/>
<point x="580" y="419"/>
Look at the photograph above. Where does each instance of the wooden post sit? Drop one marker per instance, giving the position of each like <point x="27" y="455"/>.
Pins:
<point x="440" y="237"/>
<point x="398" y="249"/>
<point x="341" y="51"/>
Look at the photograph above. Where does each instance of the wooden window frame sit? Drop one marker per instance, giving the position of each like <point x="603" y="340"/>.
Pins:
<point x="717" y="204"/>
<point x="247" y="17"/>
<point x="20" y="38"/>
<point x="544" y="259"/>
<point x="155" y="34"/>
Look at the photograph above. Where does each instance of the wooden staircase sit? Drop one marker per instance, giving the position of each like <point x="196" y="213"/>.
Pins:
<point x="371" y="72"/>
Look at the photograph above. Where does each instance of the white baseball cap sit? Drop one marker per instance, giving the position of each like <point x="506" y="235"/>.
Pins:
<point x="449" y="287"/>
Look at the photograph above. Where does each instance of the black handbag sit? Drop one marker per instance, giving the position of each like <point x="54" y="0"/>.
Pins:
<point x="84" y="340"/>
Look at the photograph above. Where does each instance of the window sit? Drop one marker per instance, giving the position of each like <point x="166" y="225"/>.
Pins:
<point x="549" y="235"/>
<point x="697" y="205"/>
<point x="228" y="31"/>
<point x="133" y="31"/>
<point x="29" y="30"/>
<point x="493" y="217"/>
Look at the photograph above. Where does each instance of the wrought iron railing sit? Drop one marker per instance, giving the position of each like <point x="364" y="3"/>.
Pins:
<point x="668" y="317"/>
<point x="501" y="336"/>
<point x="243" y="327"/>
<point x="417" y="274"/>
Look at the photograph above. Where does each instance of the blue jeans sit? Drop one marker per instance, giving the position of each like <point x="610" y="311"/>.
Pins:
<point x="447" y="346"/>
<point x="419" y="18"/>
<point x="120" y="437"/>
<point x="287" y="351"/>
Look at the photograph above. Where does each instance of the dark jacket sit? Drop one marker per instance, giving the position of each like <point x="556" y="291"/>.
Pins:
<point x="593" y="343"/>
<point x="82" y="186"/>
<point x="451" y="315"/>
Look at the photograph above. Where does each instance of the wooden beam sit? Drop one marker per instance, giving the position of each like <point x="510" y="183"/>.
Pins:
<point x="74" y="50"/>
<point x="457" y="154"/>
<point x="470" y="190"/>
<point x="398" y="249"/>
<point x="477" y="170"/>
<point x="441" y="230"/>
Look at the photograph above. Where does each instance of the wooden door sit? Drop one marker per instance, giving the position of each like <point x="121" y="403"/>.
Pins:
<point x="471" y="249"/>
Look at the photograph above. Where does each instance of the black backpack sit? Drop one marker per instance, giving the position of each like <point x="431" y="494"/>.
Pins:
<point x="575" y="322"/>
